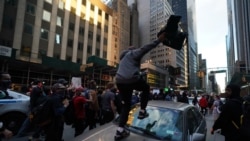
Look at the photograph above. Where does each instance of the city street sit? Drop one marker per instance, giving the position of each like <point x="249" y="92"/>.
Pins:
<point x="69" y="132"/>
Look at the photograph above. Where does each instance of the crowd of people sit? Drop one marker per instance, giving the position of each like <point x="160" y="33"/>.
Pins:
<point x="92" y="106"/>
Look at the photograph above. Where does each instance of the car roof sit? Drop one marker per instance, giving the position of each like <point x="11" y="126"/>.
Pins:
<point x="169" y="104"/>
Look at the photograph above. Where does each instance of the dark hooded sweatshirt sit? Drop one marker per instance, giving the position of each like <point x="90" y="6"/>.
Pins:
<point x="230" y="111"/>
<point x="130" y="61"/>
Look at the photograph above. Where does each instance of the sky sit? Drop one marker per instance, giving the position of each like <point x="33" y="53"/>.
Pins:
<point x="212" y="28"/>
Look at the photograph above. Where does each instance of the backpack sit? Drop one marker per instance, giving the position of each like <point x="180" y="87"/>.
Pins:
<point x="69" y="113"/>
<point x="40" y="115"/>
<point x="244" y="119"/>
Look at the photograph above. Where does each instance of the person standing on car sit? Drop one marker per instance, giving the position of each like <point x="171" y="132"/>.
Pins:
<point x="5" y="81"/>
<point x="230" y="111"/>
<point x="129" y="78"/>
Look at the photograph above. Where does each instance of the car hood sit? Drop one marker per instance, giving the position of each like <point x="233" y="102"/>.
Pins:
<point x="106" y="133"/>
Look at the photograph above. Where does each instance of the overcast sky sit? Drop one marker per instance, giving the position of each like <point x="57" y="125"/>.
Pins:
<point x="212" y="28"/>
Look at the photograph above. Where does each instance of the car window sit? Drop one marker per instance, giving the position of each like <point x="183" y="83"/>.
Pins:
<point x="198" y="115"/>
<point x="164" y="123"/>
<point x="192" y="123"/>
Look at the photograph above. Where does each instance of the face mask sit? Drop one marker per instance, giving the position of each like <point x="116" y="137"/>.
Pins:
<point x="5" y="84"/>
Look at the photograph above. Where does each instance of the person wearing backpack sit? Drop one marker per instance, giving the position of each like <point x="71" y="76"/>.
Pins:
<point x="230" y="111"/>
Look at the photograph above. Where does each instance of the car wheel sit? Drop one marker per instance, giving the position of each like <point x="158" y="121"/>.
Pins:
<point x="13" y="121"/>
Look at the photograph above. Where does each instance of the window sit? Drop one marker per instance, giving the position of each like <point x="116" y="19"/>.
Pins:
<point x="28" y="28"/>
<point x="105" y="28"/>
<point x="91" y="21"/>
<point x="61" y="4"/>
<point x="98" y="38"/>
<point x="71" y="26"/>
<point x="59" y="21"/>
<point x="90" y="35"/>
<point x="105" y="54"/>
<point x="80" y="46"/>
<point x="92" y="7"/>
<point x="97" y="52"/>
<point x="106" y="16"/>
<point x="99" y="12"/>
<point x="44" y="33"/>
<point x="49" y="1"/>
<point x="192" y="123"/>
<point x="70" y="43"/>
<point x="83" y="2"/>
<point x="89" y="49"/>
<point x="11" y="2"/>
<point x="46" y="15"/>
<point x="58" y="39"/>
<point x="99" y="25"/>
<point x="8" y="22"/>
<point x="105" y="41"/>
<point x="81" y="31"/>
<point x="30" y="9"/>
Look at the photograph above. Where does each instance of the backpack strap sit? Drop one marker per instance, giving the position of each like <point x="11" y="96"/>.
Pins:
<point x="235" y="125"/>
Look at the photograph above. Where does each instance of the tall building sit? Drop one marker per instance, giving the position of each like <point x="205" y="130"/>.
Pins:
<point x="186" y="9"/>
<point x="238" y="42"/>
<point x="55" y="38"/>
<point x="152" y="16"/>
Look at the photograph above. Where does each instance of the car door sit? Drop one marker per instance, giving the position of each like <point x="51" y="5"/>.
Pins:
<point x="202" y="126"/>
<point x="195" y="123"/>
<point x="191" y="124"/>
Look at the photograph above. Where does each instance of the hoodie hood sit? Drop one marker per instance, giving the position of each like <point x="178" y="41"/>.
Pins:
<point x="235" y="90"/>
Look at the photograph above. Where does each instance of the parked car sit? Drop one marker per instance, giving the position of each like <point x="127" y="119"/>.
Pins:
<point x="168" y="121"/>
<point x="14" y="111"/>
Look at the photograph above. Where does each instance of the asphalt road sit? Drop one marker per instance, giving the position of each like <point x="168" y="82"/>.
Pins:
<point x="69" y="132"/>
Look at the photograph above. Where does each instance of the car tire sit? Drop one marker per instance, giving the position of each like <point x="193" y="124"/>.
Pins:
<point x="13" y="121"/>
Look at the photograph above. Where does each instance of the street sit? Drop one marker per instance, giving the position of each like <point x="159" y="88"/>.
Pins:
<point x="68" y="134"/>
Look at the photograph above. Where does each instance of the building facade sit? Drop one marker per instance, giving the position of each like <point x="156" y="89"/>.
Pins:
<point x="49" y="34"/>
<point x="238" y="42"/>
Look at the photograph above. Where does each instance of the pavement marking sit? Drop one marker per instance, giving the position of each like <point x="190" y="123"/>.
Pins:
<point x="98" y="132"/>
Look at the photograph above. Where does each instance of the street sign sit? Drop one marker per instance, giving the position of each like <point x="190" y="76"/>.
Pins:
<point x="219" y="71"/>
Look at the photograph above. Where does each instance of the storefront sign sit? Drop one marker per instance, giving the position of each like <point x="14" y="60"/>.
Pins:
<point x="5" y="51"/>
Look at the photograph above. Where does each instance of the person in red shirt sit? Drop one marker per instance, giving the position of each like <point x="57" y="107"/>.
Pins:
<point x="203" y="105"/>
<point x="80" y="116"/>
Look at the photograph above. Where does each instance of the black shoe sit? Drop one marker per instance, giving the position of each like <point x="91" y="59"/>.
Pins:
<point x="121" y="135"/>
<point x="143" y="115"/>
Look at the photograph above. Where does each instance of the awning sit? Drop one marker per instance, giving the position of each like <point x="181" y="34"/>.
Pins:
<point x="99" y="65"/>
<point x="97" y="61"/>
<point x="60" y="64"/>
